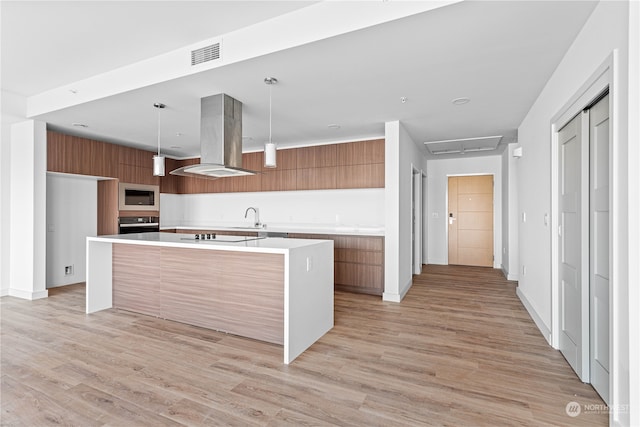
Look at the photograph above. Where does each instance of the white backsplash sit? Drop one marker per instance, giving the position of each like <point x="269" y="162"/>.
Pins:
<point x="356" y="207"/>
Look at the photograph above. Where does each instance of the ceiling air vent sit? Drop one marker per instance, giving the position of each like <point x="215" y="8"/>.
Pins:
<point x="205" y="54"/>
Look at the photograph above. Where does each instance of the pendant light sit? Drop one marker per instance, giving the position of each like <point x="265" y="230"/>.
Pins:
<point x="270" y="146"/>
<point x="158" y="161"/>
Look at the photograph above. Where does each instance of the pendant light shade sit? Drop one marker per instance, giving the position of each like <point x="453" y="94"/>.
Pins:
<point x="270" y="155"/>
<point x="158" y="166"/>
<point x="270" y="148"/>
<point x="158" y="160"/>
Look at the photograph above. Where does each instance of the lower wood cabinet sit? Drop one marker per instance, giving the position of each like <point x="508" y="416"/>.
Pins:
<point x="358" y="261"/>
<point x="136" y="284"/>
<point x="236" y="292"/>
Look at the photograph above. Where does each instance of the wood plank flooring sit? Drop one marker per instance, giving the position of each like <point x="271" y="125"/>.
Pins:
<point x="460" y="350"/>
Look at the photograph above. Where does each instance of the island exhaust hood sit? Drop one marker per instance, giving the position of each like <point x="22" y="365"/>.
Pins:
<point x="220" y="140"/>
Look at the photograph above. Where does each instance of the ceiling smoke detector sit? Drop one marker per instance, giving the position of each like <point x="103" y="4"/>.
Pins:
<point x="461" y="101"/>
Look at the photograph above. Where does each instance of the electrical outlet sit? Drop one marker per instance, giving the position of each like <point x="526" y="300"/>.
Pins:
<point x="68" y="270"/>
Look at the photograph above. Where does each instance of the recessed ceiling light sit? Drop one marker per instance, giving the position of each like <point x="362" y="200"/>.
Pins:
<point x="403" y="99"/>
<point x="80" y="125"/>
<point x="333" y="126"/>
<point x="461" y="101"/>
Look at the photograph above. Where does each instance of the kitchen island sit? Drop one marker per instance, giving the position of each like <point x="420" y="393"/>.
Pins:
<point x="271" y="289"/>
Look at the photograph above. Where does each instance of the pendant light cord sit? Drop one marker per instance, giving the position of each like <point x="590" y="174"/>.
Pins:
<point x="270" y="88"/>
<point x="159" y="108"/>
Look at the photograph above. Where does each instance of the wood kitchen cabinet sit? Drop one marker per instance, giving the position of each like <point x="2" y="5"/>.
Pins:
<point x="136" y="284"/>
<point x="283" y="177"/>
<point x="358" y="261"/>
<point x="360" y="152"/>
<point x="357" y="164"/>
<point x="69" y="154"/>
<point x="361" y="164"/>
<point x="318" y="156"/>
<point x="108" y="207"/>
<point x="316" y="178"/>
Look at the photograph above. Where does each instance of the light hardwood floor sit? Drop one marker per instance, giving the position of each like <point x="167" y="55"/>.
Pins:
<point x="459" y="350"/>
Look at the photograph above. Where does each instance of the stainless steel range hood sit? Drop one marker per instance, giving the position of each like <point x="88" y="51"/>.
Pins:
<point x="220" y="140"/>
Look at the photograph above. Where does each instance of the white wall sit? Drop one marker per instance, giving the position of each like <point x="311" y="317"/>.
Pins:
<point x="510" y="266"/>
<point x="27" y="253"/>
<point x="12" y="109"/>
<point x="5" y="171"/>
<point x="357" y="207"/>
<point x="438" y="171"/>
<point x="402" y="155"/>
<point x="606" y="29"/>
<point x="72" y="212"/>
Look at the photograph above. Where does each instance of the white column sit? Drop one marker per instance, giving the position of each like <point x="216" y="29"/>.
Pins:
<point x="392" y="212"/>
<point x="27" y="258"/>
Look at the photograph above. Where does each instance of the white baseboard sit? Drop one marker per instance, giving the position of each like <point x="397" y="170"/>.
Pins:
<point x="397" y="297"/>
<point x="18" y="293"/>
<point x="546" y="333"/>
<point x="391" y="297"/>
<point x="4" y="292"/>
<point x="509" y="276"/>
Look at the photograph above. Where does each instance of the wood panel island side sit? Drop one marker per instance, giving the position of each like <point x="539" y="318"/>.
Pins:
<point x="270" y="289"/>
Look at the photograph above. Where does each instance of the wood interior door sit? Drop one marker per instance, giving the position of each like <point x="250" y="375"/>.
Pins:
<point x="471" y="220"/>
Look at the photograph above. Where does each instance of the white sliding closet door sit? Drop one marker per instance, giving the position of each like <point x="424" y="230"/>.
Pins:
<point x="599" y="246"/>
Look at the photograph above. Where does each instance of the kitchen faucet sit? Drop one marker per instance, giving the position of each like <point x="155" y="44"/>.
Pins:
<point x="256" y="222"/>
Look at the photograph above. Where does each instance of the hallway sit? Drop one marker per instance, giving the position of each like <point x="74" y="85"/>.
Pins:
<point x="459" y="350"/>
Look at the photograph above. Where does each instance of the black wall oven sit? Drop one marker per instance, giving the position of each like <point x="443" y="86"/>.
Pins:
<point x="138" y="224"/>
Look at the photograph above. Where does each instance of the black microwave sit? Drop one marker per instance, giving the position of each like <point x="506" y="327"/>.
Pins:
<point x="138" y="197"/>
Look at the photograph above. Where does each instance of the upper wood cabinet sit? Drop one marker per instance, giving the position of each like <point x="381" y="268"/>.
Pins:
<point x="316" y="157"/>
<point x="348" y="165"/>
<point x="82" y="156"/>
<point x="286" y="160"/>
<point x="68" y="154"/>
<point x="361" y="152"/>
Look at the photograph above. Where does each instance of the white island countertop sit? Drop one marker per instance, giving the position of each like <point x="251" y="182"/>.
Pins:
<point x="350" y="230"/>
<point x="223" y="243"/>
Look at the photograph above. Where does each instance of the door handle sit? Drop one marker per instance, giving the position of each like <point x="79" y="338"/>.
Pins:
<point x="451" y="218"/>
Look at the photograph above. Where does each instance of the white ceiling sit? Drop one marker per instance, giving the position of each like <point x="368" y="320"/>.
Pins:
<point x="498" y="54"/>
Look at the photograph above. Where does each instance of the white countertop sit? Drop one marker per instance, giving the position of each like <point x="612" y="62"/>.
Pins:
<point x="351" y="230"/>
<point x="224" y="243"/>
